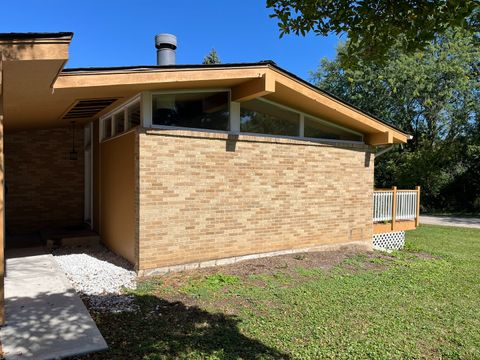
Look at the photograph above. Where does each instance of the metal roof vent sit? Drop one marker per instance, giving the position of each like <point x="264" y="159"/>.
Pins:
<point x="166" y="45"/>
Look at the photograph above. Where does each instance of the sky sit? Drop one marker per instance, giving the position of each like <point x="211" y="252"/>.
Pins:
<point x="121" y="33"/>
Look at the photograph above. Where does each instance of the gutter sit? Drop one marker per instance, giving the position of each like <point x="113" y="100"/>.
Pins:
<point x="388" y="148"/>
<point x="383" y="151"/>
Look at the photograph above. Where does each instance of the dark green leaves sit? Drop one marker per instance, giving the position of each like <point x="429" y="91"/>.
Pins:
<point x="433" y="95"/>
<point x="373" y="26"/>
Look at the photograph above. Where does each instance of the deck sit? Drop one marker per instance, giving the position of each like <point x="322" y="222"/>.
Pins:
<point x="395" y="210"/>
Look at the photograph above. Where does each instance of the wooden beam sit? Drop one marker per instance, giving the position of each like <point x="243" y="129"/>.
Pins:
<point x="383" y="138"/>
<point x="382" y="228"/>
<point x="254" y="89"/>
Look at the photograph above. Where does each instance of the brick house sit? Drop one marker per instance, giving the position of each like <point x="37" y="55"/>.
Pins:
<point x="182" y="165"/>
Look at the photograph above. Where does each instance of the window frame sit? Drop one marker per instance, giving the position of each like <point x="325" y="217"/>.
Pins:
<point x="234" y="109"/>
<point x="110" y="116"/>
<point x="300" y="120"/>
<point x="148" y="103"/>
<point x="301" y="130"/>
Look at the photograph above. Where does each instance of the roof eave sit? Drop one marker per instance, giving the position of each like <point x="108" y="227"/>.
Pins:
<point x="382" y="133"/>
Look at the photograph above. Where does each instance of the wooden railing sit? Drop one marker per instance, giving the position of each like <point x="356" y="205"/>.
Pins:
<point x="396" y="210"/>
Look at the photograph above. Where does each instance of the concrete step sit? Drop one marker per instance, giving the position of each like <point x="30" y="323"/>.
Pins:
<point x="88" y="240"/>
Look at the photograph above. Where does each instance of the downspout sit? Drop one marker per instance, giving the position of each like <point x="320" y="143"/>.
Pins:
<point x="388" y="148"/>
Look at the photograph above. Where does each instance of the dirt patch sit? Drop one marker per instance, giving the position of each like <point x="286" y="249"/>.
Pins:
<point x="283" y="270"/>
<point x="286" y="264"/>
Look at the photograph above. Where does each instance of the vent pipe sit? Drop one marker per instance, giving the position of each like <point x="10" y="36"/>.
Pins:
<point x="166" y="45"/>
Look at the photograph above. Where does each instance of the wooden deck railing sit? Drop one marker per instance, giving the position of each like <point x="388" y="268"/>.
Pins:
<point x="396" y="210"/>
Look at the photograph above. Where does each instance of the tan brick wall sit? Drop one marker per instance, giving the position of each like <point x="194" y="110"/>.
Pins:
<point x="45" y="187"/>
<point x="202" y="197"/>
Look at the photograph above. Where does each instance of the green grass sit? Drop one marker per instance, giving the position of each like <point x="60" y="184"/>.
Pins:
<point x="423" y="302"/>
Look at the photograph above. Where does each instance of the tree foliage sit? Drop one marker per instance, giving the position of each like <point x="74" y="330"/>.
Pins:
<point x="373" y="26"/>
<point x="211" y="58"/>
<point x="433" y="95"/>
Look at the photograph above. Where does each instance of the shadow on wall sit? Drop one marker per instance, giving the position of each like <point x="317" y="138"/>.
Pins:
<point x="164" y="329"/>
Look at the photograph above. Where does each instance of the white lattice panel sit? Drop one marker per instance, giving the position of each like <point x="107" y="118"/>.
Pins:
<point x="389" y="241"/>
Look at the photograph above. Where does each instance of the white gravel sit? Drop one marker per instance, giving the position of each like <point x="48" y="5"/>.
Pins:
<point x="98" y="275"/>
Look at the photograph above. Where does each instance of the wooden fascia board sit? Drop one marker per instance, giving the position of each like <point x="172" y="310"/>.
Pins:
<point x="254" y="88"/>
<point x="34" y="51"/>
<point x="164" y="76"/>
<point x="381" y="138"/>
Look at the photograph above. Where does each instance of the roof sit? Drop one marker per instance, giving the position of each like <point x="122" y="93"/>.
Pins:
<point x="140" y="68"/>
<point x="35" y="35"/>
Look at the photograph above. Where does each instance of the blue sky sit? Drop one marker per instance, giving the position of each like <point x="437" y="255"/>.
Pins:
<point x="116" y="33"/>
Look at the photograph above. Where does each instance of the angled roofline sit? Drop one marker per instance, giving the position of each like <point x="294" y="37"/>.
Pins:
<point x="266" y="63"/>
<point x="35" y="35"/>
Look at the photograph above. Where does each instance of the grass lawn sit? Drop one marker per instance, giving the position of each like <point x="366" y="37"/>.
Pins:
<point x="423" y="302"/>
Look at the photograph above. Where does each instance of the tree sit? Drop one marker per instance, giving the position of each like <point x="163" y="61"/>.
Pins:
<point x="432" y="94"/>
<point x="211" y="58"/>
<point x="373" y="26"/>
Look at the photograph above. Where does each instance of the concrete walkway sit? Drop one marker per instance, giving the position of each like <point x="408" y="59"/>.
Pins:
<point x="451" y="221"/>
<point x="45" y="318"/>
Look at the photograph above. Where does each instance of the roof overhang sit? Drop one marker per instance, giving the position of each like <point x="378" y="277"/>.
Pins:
<point x="246" y="82"/>
<point x="37" y="92"/>
<point x="29" y="65"/>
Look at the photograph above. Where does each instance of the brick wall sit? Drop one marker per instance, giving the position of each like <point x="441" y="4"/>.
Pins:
<point x="203" y="197"/>
<point x="45" y="187"/>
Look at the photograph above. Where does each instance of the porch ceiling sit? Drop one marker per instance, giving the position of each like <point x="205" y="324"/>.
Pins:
<point x="39" y="107"/>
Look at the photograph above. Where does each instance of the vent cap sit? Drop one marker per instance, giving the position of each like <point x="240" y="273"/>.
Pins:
<point x="166" y="45"/>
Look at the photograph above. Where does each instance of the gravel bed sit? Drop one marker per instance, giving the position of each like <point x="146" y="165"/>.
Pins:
<point x="99" y="276"/>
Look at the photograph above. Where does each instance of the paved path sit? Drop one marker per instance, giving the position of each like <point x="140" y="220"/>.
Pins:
<point x="451" y="221"/>
<point x="45" y="318"/>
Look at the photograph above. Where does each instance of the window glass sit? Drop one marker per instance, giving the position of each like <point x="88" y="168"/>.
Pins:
<point x="107" y="128"/>
<point x="260" y="117"/>
<point x="320" y="130"/>
<point x="205" y="110"/>
<point x="133" y="113"/>
<point x="119" y="121"/>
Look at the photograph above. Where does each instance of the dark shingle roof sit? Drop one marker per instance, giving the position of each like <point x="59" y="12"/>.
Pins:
<point x="34" y="35"/>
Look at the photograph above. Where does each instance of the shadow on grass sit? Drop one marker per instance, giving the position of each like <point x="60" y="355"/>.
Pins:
<point x="162" y="329"/>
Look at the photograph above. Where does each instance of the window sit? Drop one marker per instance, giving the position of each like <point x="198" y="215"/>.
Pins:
<point x="133" y="115"/>
<point x="262" y="117"/>
<point x="202" y="110"/>
<point x="321" y="130"/>
<point x="120" y="119"/>
<point x="107" y="128"/>
<point x="210" y="110"/>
